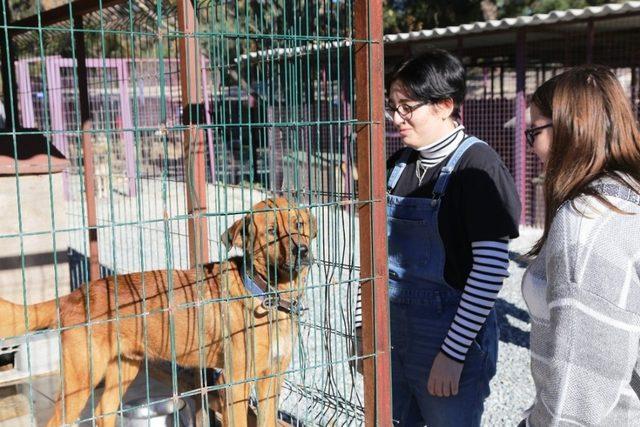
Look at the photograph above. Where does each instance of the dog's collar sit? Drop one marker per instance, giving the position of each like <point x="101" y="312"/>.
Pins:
<point x="270" y="299"/>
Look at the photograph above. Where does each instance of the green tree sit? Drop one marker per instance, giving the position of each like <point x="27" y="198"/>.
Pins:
<point x="413" y="15"/>
<point x="509" y="8"/>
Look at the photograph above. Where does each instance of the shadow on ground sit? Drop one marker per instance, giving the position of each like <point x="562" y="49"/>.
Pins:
<point x="509" y="333"/>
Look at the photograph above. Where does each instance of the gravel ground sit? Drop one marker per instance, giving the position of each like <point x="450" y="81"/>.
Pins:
<point x="512" y="389"/>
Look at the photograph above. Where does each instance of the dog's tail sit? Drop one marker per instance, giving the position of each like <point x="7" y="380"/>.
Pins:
<point x="13" y="321"/>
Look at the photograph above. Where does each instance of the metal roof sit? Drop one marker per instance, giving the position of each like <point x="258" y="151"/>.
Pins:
<point x="478" y="36"/>
<point x="293" y="51"/>
<point x="561" y="16"/>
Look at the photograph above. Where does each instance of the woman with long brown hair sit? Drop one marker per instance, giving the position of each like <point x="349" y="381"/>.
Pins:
<point x="583" y="287"/>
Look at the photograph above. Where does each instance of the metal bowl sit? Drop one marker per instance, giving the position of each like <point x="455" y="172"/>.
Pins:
<point x="157" y="413"/>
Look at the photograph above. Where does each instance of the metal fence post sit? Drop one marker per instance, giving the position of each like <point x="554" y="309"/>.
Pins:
<point x="635" y="89"/>
<point x="207" y="115"/>
<point x="25" y="94"/>
<point x="54" y="87"/>
<point x="521" y="123"/>
<point x="56" y="119"/>
<point x="460" y="53"/>
<point x="369" y="67"/>
<point x="9" y="84"/>
<point x="591" y="34"/>
<point x="127" y="125"/>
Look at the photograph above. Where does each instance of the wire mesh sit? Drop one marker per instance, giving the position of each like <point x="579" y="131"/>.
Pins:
<point x="276" y="83"/>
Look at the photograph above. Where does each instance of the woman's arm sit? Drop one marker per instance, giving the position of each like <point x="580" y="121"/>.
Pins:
<point x="490" y="268"/>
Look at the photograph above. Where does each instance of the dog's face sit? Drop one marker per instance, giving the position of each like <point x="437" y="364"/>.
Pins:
<point x="277" y="237"/>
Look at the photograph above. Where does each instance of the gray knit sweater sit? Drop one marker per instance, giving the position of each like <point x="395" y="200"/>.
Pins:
<point x="583" y="294"/>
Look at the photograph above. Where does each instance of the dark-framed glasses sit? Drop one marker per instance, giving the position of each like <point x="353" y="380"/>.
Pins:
<point x="531" y="133"/>
<point x="404" y="110"/>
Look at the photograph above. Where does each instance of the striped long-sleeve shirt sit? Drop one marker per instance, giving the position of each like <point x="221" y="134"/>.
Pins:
<point x="490" y="268"/>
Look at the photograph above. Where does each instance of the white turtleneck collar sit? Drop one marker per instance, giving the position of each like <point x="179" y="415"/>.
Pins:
<point x="434" y="153"/>
<point x="443" y="143"/>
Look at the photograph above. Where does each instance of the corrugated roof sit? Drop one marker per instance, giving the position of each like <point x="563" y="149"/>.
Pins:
<point x="492" y="33"/>
<point x="561" y="16"/>
<point x="291" y="51"/>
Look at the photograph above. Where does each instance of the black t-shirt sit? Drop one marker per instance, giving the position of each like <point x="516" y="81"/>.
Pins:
<point x="480" y="203"/>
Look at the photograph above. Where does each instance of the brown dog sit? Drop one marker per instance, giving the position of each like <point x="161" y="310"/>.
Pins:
<point x="204" y="317"/>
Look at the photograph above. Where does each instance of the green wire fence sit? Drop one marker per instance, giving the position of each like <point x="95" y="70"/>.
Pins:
<point x="137" y="131"/>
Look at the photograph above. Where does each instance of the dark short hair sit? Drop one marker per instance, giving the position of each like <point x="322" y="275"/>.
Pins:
<point x="433" y="76"/>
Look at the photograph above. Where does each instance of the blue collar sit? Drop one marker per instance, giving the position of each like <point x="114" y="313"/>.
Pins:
<point x="253" y="287"/>
<point x="271" y="299"/>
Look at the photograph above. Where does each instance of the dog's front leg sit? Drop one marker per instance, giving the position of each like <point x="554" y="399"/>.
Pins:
<point x="236" y="372"/>
<point x="236" y="404"/>
<point x="78" y="378"/>
<point x="272" y="372"/>
<point x="268" y="390"/>
<point x="118" y="378"/>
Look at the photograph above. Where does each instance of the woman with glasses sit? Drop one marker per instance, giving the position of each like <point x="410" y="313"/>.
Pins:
<point x="452" y="208"/>
<point x="539" y="134"/>
<point x="583" y="286"/>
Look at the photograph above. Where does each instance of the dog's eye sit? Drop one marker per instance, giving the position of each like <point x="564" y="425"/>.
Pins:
<point x="271" y="231"/>
<point x="300" y="225"/>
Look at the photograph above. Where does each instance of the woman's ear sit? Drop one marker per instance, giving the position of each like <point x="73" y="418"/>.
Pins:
<point x="444" y="108"/>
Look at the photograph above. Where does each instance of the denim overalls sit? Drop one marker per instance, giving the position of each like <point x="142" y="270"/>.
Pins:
<point x="423" y="306"/>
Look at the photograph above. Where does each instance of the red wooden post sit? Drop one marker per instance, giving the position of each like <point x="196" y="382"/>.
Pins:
<point x="87" y="148"/>
<point x="369" y="66"/>
<point x="194" y="149"/>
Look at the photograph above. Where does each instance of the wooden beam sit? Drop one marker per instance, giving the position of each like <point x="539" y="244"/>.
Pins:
<point x="194" y="141"/>
<point x="60" y="14"/>
<point x="87" y="148"/>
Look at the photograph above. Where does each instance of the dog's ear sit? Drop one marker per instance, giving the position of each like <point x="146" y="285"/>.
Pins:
<point x="313" y="225"/>
<point x="235" y="234"/>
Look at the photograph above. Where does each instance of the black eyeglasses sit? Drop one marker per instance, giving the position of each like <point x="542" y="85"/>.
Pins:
<point x="405" y="110"/>
<point x="531" y="133"/>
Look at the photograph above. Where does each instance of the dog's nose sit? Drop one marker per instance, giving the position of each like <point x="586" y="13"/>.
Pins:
<point x="301" y="251"/>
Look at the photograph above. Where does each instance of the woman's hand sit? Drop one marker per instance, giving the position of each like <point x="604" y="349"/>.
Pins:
<point x="444" y="376"/>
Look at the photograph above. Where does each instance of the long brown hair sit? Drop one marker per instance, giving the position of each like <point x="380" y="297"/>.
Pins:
<point x="595" y="134"/>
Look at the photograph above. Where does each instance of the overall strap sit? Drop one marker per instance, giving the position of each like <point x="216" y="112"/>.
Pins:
<point x="401" y="164"/>
<point x="445" y="173"/>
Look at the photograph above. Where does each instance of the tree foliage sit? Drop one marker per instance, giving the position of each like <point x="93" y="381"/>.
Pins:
<point x="413" y="15"/>
<point x="325" y="17"/>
